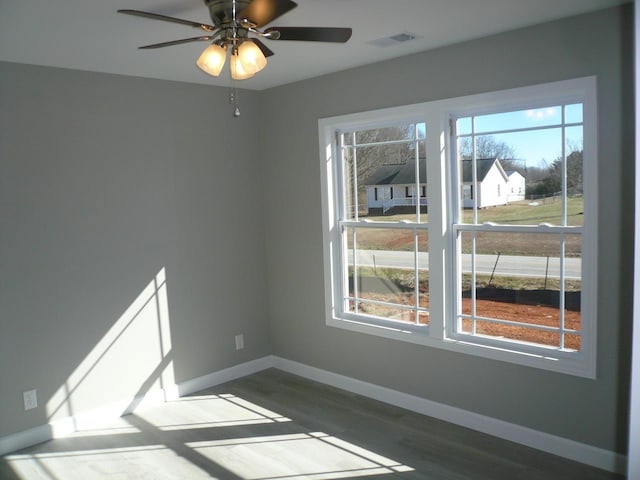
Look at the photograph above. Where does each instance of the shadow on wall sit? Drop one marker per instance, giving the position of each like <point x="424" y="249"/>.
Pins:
<point x="133" y="362"/>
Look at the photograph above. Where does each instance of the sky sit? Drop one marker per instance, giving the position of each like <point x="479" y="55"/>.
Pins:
<point x="541" y="143"/>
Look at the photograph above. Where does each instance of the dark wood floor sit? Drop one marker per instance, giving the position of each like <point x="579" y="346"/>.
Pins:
<point x="273" y="425"/>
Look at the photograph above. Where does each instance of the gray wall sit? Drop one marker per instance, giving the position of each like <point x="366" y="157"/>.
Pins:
<point x="105" y="181"/>
<point x="593" y="412"/>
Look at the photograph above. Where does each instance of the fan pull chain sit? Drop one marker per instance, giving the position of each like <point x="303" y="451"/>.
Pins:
<point x="233" y="99"/>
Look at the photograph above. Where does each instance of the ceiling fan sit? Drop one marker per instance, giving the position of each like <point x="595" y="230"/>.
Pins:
<point x="236" y="32"/>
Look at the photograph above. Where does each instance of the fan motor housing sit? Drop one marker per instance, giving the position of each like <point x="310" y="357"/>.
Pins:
<point x="221" y="11"/>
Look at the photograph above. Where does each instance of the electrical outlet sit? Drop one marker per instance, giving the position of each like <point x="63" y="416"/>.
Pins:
<point x="30" y="399"/>
<point x="239" y="342"/>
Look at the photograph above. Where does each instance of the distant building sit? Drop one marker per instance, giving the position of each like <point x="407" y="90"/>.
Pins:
<point x="392" y="189"/>
<point x="515" y="186"/>
<point x="492" y="183"/>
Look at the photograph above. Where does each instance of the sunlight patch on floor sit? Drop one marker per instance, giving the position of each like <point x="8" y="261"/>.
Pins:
<point x="146" y="462"/>
<point x="170" y="442"/>
<point x="208" y="411"/>
<point x="315" y="456"/>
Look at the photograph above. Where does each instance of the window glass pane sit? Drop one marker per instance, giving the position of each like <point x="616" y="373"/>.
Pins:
<point x="386" y="134"/>
<point x="573" y="113"/>
<point x="382" y="273"/>
<point x="518" y="149"/>
<point x="349" y="200"/>
<point x="517" y="282"/>
<point x="574" y="152"/>
<point x="529" y="118"/>
<point x="423" y="275"/>
<point x="387" y="240"/>
<point x="531" y="166"/>
<point x="521" y="171"/>
<point x="536" y="212"/>
<point x="464" y="126"/>
<point x="388" y="187"/>
<point x="389" y="312"/>
<point x="573" y="290"/>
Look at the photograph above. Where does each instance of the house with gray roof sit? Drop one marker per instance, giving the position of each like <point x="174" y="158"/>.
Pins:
<point x="392" y="188"/>
<point x="492" y="183"/>
<point x="515" y="186"/>
<point x="496" y="186"/>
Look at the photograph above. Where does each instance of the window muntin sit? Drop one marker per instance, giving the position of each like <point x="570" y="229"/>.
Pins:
<point x="569" y="233"/>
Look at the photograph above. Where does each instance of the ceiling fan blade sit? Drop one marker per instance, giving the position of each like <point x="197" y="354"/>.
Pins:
<point x="176" y="42"/>
<point x="262" y="12"/>
<point x="311" y="34"/>
<point x="265" y="50"/>
<point x="157" y="16"/>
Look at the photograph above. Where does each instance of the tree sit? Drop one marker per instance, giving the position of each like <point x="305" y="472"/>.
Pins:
<point x="374" y="148"/>
<point x="574" y="172"/>
<point x="552" y="182"/>
<point x="486" y="147"/>
<point x="371" y="157"/>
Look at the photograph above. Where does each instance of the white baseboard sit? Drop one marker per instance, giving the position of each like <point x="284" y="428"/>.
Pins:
<point x="226" y="375"/>
<point x="563" y="447"/>
<point x="580" y="452"/>
<point x="24" y="439"/>
<point x="67" y="425"/>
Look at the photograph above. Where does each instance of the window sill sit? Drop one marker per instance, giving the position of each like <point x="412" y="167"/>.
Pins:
<point x="570" y="363"/>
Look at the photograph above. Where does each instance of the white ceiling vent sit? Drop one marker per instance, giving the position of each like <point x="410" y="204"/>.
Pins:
<point x="396" y="39"/>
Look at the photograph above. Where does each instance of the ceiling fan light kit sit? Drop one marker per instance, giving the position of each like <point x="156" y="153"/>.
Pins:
<point x="251" y="57"/>
<point x="233" y="22"/>
<point x="212" y="59"/>
<point x="238" y="70"/>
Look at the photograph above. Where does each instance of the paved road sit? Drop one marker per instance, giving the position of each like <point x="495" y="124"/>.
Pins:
<point x="507" y="265"/>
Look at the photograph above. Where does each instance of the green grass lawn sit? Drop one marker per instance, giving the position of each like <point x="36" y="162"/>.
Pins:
<point x="547" y="210"/>
<point x="517" y="213"/>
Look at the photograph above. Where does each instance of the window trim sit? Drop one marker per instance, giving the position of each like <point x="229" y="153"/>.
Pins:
<point x="437" y="115"/>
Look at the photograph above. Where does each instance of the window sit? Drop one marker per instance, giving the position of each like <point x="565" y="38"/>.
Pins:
<point x="465" y="268"/>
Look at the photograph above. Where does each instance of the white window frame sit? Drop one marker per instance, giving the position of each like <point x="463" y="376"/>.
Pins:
<point x="442" y="282"/>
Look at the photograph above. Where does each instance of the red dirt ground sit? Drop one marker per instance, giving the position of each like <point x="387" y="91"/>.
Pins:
<point x="533" y="314"/>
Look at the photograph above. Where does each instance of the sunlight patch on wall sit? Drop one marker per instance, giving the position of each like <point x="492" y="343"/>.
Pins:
<point x="131" y="361"/>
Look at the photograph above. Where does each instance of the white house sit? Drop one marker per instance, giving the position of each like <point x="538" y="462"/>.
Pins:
<point x="393" y="187"/>
<point x="492" y="183"/>
<point x="515" y="186"/>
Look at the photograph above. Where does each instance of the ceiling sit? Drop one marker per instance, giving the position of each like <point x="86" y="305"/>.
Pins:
<point x="90" y="35"/>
